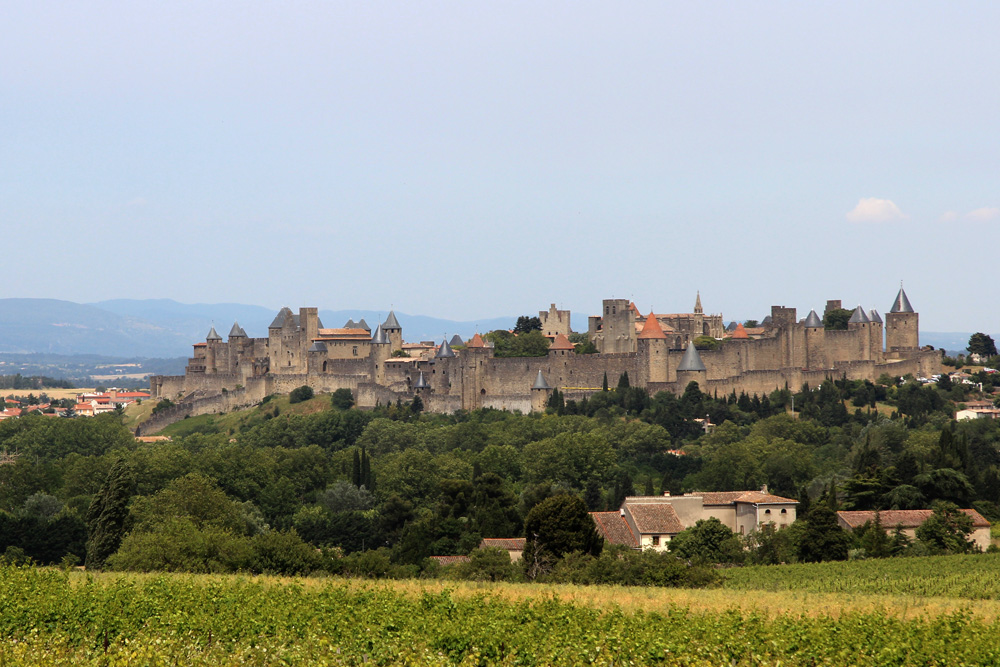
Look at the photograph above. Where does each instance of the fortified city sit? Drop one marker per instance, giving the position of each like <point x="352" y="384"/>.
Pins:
<point x="657" y="351"/>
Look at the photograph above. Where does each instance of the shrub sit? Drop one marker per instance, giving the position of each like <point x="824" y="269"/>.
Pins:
<point x="303" y="393"/>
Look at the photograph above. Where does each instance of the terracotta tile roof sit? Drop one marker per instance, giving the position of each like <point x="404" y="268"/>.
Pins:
<point x="614" y="528"/>
<point x="657" y="518"/>
<point x="652" y="329"/>
<point x="740" y="332"/>
<point x="904" y="518"/>
<point x="508" y="543"/>
<point x="755" y="331"/>
<point x="450" y="560"/>
<point x="730" y="497"/>
<point x="201" y="344"/>
<point x="561" y="343"/>
<point x="477" y="341"/>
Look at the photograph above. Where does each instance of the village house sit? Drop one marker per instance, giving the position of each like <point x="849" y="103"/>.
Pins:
<point x="909" y="520"/>
<point x="650" y="522"/>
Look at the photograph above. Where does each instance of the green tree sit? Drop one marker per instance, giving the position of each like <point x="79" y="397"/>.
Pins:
<point x="983" y="345"/>
<point x="526" y="323"/>
<point x="708" y="540"/>
<point x="837" y="319"/>
<point x="706" y="343"/>
<point x="947" y="530"/>
<point x="108" y="512"/>
<point x="555" y="527"/>
<point x="823" y="539"/>
<point x="300" y="394"/>
<point x="342" y="399"/>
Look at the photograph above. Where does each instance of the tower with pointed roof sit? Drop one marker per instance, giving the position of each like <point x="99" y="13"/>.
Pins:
<point x="540" y="393"/>
<point x="393" y="331"/>
<point x="654" y="350"/>
<point x="877" y="336"/>
<point x="861" y="326"/>
<point x="472" y="371"/>
<point x="902" y="327"/>
<point x="691" y="368"/>
<point x="815" y="342"/>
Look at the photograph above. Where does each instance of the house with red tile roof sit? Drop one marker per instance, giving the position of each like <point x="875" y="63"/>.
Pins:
<point x="909" y="520"/>
<point x="650" y="522"/>
<point x="514" y="546"/>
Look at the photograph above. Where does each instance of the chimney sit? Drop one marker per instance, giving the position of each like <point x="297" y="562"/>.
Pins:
<point x="763" y="489"/>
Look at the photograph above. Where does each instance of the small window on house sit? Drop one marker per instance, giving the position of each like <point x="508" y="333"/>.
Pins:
<point x="767" y="511"/>
<point x="355" y="350"/>
<point x="656" y="540"/>
<point x="784" y="511"/>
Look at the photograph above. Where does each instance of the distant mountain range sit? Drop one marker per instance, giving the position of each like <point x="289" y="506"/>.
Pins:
<point x="166" y="328"/>
<point x="124" y="328"/>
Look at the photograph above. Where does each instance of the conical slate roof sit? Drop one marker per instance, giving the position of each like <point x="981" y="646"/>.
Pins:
<point x="421" y="382"/>
<point x="859" y="317"/>
<point x="319" y="323"/>
<point x="445" y="351"/>
<point x="874" y="316"/>
<point x="379" y="337"/>
<point x="350" y="324"/>
<point x="391" y="322"/>
<point x="732" y="326"/>
<point x="317" y="346"/>
<point x="691" y="361"/>
<point x="236" y="330"/>
<point x="813" y="321"/>
<point x="364" y="325"/>
<point x="456" y="340"/>
<point x="540" y="382"/>
<point x="213" y="335"/>
<point x="766" y="320"/>
<point x="279" y="319"/>
<point x="901" y="304"/>
<point x="652" y="329"/>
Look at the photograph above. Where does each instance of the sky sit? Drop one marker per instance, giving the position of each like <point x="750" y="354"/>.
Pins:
<point x="468" y="160"/>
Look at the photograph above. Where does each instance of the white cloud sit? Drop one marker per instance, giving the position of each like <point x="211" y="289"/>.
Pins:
<point x="983" y="214"/>
<point x="949" y="216"/>
<point x="873" y="209"/>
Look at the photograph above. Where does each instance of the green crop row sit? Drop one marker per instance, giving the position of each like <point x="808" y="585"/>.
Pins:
<point x="47" y="617"/>
<point x="972" y="577"/>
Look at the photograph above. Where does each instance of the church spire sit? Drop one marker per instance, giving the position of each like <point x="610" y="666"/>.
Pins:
<point x="697" y="304"/>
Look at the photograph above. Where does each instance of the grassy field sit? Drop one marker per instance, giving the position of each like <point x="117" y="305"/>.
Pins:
<point x="233" y="421"/>
<point x="48" y="617"/>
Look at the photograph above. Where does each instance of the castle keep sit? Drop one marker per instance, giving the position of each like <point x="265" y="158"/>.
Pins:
<point x="657" y="351"/>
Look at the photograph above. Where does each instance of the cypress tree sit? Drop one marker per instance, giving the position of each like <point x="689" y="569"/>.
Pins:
<point x="604" y="386"/>
<point x="107" y="513"/>
<point x="623" y="381"/>
<point x="366" y="471"/>
<point x="356" y="469"/>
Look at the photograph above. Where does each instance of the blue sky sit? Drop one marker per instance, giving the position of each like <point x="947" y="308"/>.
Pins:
<point x="468" y="160"/>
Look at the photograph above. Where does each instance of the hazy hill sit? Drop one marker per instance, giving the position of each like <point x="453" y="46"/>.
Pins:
<point x="64" y="327"/>
<point x="194" y="320"/>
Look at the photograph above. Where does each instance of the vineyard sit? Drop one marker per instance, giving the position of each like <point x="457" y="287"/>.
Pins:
<point x="49" y="617"/>
<point x="968" y="577"/>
